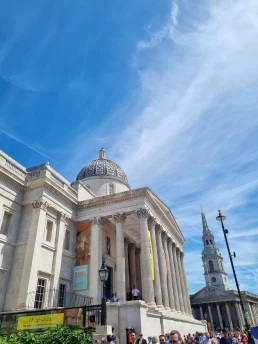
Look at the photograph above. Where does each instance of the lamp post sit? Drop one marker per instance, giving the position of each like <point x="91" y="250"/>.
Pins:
<point x="103" y="275"/>
<point x="221" y="218"/>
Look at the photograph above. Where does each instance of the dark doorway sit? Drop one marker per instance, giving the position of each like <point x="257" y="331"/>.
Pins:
<point x="108" y="289"/>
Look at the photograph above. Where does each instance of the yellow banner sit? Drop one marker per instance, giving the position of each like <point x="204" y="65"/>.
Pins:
<point x="151" y="257"/>
<point x="40" y="321"/>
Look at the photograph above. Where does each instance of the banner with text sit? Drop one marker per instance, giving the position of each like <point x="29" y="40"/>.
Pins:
<point x="151" y="257"/>
<point x="80" y="278"/>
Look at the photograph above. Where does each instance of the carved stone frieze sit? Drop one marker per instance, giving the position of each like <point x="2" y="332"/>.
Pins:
<point x="33" y="175"/>
<point x="119" y="217"/>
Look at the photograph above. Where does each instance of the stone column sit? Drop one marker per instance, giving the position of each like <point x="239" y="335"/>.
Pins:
<point x="186" y="286"/>
<point x="183" y="291"/>
<point x="219" y="315"/>
<point x="174" y="283"/>
<point x="127" y="278"/>
<point x="132" y="265"/>
<point x="147" y="283"/>
<point x="169" y="273"/>
<point x="57" y="261"/>
<point x="120" y="256"/>
<point x="239" y="318"/>
<point x="161" y="259"/>
<point x="176" y="253"/>
<point x="210" y="316"/>
<point x="157" y="286"/>
<point x="229" y="317"/>
<point x="201" y="312"/>
<point x="95" y="261"/>
<point x="32" y="254"/>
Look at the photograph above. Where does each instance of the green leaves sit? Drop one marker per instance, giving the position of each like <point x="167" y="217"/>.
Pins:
<point x="57" y="335"/>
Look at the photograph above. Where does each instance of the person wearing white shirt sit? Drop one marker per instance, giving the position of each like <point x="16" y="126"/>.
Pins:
<point x="135" y="293"/>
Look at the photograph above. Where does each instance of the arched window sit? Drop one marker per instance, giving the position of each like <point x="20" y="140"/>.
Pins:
<point x="111" y="188"/>
<point x="211" y="266"/>
<point x="207" y="242"/>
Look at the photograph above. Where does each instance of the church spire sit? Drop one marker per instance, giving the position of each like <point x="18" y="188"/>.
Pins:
<point x="214" y="271"/>
<point x="205" y="228"/>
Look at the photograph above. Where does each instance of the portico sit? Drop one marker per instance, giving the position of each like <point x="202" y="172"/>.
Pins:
<point x="133" y="224"/>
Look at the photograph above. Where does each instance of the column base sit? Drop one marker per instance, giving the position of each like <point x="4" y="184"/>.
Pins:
<point x="160" y="306"/>
<point x="167" y="308"/>
<point x="151" y="305"/>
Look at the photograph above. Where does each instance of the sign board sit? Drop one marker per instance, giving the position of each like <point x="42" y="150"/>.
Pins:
<point x="80" y="277"/>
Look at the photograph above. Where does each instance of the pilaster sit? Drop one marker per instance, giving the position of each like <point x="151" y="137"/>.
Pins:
<point x="32" y="254"/>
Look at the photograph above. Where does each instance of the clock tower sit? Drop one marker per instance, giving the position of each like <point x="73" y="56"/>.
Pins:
<point x="214" y="271"/>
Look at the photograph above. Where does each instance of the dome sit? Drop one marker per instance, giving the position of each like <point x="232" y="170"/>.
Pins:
<point x="102" y="167"/>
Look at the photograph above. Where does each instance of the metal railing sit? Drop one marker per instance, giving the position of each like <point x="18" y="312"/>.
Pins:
<point x="56" y="298"/>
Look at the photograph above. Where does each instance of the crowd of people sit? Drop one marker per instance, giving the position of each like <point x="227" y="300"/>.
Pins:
<point x="174" y="337"/>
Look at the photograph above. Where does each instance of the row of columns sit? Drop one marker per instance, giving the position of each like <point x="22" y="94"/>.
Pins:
<point x="238" y="312"/>
<point x="169" y="288"/>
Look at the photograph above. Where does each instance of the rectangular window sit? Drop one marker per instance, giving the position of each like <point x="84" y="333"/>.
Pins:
<point x="61" y="295"/>
<point x="49" y="231"/>
<point x="39" y="298"/>
<point x="67" y="240"/>
<point x="6" y="223"/>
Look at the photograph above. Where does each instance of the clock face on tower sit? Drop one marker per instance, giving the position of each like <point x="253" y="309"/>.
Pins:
<point x="208" y="251"/>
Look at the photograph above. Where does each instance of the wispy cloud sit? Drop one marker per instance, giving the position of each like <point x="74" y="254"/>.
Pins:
<point x="27" y="145"/>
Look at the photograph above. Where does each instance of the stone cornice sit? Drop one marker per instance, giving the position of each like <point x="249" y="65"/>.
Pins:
<point x="54" y="188"/>
<point x="112" y="199"/>
<point x="11" y="181"/>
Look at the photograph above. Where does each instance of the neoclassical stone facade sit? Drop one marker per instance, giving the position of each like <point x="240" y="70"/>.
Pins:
<point x="217" y="303"/>
<point x="49" y="227"/>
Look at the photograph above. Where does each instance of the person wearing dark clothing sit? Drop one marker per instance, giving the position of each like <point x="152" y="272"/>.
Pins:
<point x="225" y="339"/>
<point x="141" y="340"/>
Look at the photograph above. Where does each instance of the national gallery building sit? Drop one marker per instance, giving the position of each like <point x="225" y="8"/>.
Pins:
<point x="55" y="235"/>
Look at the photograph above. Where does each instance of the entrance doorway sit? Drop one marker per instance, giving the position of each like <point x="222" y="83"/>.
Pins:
<point x="108" y="289"/>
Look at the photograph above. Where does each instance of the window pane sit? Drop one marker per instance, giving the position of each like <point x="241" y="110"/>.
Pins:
<point x="61" y="295"/>
<point x="39" y="298"/>
<point x="49" y="231"/>
<point x="6" y="222"/>
<point x="67" y="240"/>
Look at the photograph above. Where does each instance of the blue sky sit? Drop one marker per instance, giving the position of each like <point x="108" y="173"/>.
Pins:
<point x="169" y="88"/>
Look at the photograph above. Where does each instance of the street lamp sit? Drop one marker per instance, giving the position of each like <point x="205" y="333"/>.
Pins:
<point x="103" y="275"/>
<point x="222" y="218"/>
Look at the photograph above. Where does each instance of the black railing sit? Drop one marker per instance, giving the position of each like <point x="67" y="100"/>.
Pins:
<point x="92" y="315"/>
<point x="56" y="298"/>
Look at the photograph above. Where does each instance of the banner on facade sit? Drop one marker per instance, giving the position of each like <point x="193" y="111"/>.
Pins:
<point x="80" y="278"/>
<point x="40" y="321"/>
<point x="151" y="257"/>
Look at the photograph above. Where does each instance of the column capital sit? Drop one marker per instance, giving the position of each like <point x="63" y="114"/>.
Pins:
<point x="164" y="236"/>
<point x="40" y="204"/>
<point x="127" y="241"/>
<point x="178" y="251"/>
<point x="119" y="217"/>
<point x="158" y="228"/>
<point x="62" y="216"/>
<point x="138" y="250"/>
<point x="132" y="246"/>
<point x="170" y="241"/>
<point x="95" y="220"/>
<point x="151" y="220"/>
<point x="142" y="213"/>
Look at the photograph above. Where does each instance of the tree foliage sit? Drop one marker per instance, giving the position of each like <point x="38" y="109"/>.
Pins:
<point x="57" y="335"/>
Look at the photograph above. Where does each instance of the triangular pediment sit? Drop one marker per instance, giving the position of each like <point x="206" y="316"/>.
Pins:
<point x="165" y="211"/>
<point x="211" y="291"/>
